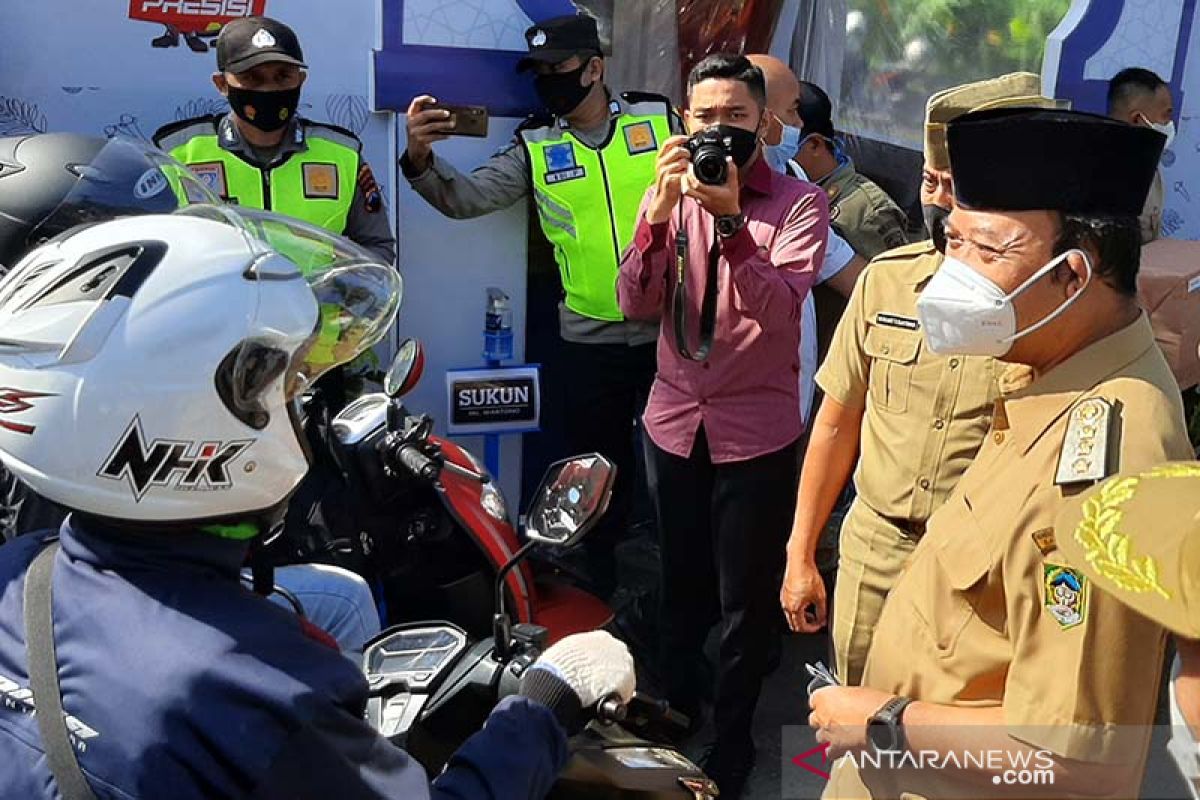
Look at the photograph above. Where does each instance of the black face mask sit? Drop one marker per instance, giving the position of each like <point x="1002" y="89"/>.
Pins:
<point x="742" y="143"/>
<point x="935" y="223"/>
<point x="561" y="92"/>
<point x="267" y="111"/>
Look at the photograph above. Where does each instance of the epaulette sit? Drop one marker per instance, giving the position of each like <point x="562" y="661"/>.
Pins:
<point x="645" y="97"/>
<point x="181" y="125"/>
<point x="923" y="248"/>
<point x="325" y="128"/>
<point x="1085" y="456"/>
<point x="540" y="119"/>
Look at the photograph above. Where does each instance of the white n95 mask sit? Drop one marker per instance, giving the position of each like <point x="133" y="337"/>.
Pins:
<point x="964" y="313"/>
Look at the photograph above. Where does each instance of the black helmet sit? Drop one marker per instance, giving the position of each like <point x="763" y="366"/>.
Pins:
<point x="51" y="182"/>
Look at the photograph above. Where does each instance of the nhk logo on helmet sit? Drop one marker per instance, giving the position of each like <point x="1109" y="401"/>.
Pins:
<point x="183" y="464"/>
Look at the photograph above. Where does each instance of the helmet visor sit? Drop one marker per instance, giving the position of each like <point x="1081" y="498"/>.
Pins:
<point x="125" y="177"/>
<point x="357" y="295"/>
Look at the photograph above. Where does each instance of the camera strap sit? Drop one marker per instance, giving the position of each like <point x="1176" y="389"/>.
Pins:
<point x="43" y="679"/>
<point x="708" y="306"/>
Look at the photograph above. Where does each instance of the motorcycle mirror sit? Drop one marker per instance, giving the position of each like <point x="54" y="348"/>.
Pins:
<point x="405" y="372"/>
<point x="572" y="497"/>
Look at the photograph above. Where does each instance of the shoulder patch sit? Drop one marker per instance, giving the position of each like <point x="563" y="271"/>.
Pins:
<point x="1084" y="454"/>
<point x="205" y="124"/>
<point x="1065" y="595"/>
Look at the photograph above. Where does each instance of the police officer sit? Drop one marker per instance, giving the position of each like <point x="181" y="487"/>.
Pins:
<point x="586" y="163"/>
<point x="916" y="417"/>
<point x="169" y="678"/>
<point x="991" y="629"/>
<point x="263" y="155"/>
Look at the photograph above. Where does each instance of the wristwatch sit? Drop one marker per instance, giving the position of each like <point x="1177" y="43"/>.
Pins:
<point x="885" y="728"/>
<point x="730" y="224"/>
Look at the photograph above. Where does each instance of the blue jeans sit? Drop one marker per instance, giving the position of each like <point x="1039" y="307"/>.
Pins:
<point x="336" y="600"/>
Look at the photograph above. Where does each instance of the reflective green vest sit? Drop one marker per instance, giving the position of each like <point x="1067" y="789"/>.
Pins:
<point x="316" y="184"/>
<point x="588" y="199"/>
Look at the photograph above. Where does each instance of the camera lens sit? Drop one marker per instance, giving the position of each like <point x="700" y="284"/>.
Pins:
<point x="709" y="164"/>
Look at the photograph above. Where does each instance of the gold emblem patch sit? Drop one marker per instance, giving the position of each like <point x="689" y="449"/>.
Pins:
<point x="1066" y="595"/>
<point x="639" y="138"/>
<point x="320" y="181"/>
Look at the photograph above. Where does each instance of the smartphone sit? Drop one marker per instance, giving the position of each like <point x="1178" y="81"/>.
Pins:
<point x="468" y="120"/>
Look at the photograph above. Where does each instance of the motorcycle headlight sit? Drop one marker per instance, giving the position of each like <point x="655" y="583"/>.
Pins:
<point x="490" y="497"/>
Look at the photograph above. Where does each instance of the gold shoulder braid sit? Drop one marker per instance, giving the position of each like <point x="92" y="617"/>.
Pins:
<point x="1107" y="548"/>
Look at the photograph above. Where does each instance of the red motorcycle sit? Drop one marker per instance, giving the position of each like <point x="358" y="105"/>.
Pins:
<point x="420" y="518"/>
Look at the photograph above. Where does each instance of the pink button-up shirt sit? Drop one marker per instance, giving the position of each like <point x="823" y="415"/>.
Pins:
<point x="746" y="393"/>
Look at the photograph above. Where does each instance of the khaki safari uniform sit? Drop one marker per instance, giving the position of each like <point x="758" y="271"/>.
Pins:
<point x="991" y="613"/>
<point x="925" y="418"/>
<point x="862" y="213"/>
<point x="1150" y="220"/>
<point x="925" y="414"/>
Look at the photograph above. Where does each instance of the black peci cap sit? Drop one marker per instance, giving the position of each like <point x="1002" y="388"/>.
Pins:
<point x="247" y="42"/>
<point x="816" y="110"/>
<point x="557" y="39"/>
<point x="1026" y="159"/>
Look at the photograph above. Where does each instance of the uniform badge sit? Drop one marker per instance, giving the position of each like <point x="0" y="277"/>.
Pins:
<point x="897" y="321"/>
<point x="1084" y="455"/>
<point x="1045" y="541"/>
<point x="369" y="187"/>
<point x="320" y="181"/>
<point x="560" y="163"/>
<point x="212" y="174"/>
<point x="263" y="39"/>
<point x="639" y="138"/>
<point x="1065" y="595"/>
<point x="538" y="39"/>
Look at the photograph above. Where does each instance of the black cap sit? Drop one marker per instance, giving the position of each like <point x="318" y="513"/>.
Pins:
<point x="247" y="42"/>
<point x="557" y="39"/>
<point x="1023" y="159"/>
<point x="816" y="110"/>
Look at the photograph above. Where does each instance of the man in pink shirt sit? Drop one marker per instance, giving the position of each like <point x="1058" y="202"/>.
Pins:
<point x="723" y="417"/>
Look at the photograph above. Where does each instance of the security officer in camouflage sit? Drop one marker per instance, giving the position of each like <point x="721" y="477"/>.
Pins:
<point x="586" y="163"/>
<point x="913" y="419"/>
<point x="262" y="155"/>
<point x="859" y="210"/>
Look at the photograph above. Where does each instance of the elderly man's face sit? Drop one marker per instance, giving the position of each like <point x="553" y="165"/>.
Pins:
<point x="1008" y="248"/>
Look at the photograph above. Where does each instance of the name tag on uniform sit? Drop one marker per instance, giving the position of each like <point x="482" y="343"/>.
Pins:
<point x="639" y="138"/>
<point x="320" y="181"/>
<point x="896" y="321"/>
<point x="561" y="165"/>
<point x="212" y="173"/>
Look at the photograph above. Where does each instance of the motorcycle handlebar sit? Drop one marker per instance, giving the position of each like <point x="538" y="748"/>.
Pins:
<point x="642" y="710"/>
<point x="417" y="462"/>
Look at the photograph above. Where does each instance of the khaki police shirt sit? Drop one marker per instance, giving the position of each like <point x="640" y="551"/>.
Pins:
<point x="925" y="415"/>
<point x="972" y="622"/>
<point x="862" y="213"/>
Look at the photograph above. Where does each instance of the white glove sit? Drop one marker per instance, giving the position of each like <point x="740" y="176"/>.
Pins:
<point x="593" y="664"/>
<point x="576" y="673"/>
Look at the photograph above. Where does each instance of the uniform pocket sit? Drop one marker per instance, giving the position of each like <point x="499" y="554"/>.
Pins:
<point x="893" y="355"/>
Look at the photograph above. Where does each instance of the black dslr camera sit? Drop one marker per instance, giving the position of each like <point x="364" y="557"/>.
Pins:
<point x="709" y="150"/>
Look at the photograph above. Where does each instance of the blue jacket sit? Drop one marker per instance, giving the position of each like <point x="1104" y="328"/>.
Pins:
<point x="182" y="684"/>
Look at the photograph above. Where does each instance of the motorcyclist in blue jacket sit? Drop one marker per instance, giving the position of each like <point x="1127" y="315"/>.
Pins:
<point x="149" y="366"/>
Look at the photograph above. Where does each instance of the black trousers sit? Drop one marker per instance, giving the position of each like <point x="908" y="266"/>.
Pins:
<point x="723" y="530"/>
<point x="605" y="391"/>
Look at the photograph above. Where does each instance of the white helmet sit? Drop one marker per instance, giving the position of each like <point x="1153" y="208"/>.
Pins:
<point x="148" y="364"/>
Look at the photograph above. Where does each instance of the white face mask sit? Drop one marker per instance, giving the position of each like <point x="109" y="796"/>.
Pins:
<point x="1165" y="128"/>
<point x="778" y="155"/>
<point x="964" y="313"/>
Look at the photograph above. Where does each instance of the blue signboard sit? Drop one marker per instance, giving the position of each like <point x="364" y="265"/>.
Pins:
<point x="462" y="75"/>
